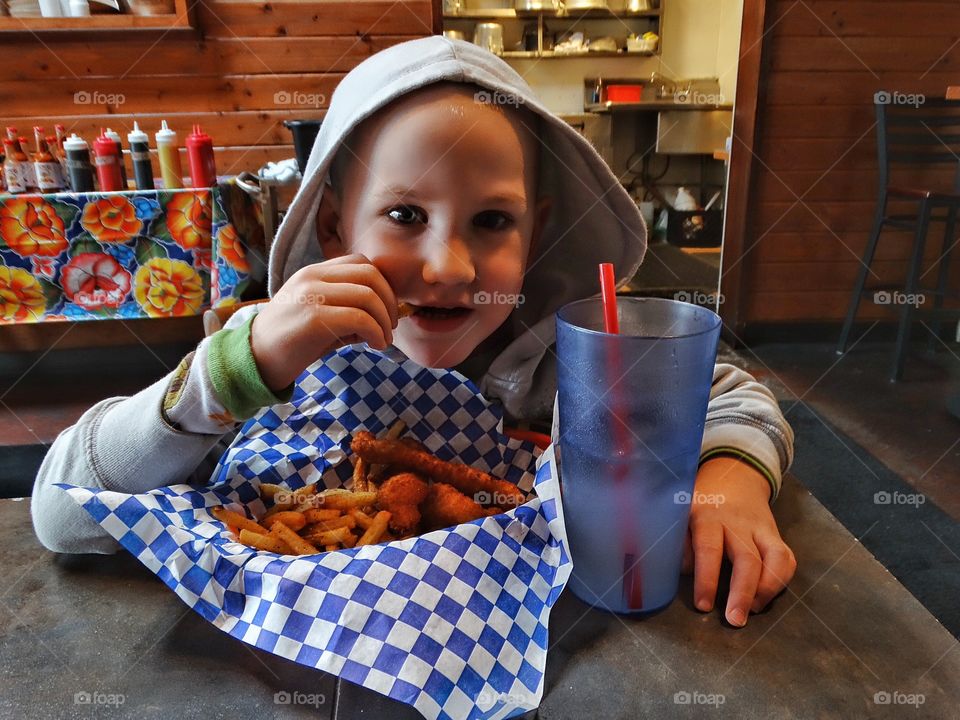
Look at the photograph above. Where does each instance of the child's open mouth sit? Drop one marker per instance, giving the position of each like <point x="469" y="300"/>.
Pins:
<point x="439" y="319"/>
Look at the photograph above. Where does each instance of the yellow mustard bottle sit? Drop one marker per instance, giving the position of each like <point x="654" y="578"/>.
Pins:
<point x="169" y="153"/>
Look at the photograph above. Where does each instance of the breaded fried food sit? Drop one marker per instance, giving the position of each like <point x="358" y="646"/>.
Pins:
<point x="400" y="495"/>
<point x="446" y="506"/>
<point x="471" y="482"/>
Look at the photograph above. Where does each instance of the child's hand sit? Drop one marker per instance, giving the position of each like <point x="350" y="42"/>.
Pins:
<point x="320" y="308"/>
<point x="741" y="526"/>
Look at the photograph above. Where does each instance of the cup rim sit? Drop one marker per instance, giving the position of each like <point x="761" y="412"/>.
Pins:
<point x="597" y="300"/>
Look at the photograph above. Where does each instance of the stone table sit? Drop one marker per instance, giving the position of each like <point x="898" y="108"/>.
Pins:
<point x="100" y="636"/>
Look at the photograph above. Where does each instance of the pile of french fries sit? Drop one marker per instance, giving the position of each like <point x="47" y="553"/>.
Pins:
<point x="308" y="521"/>
<point x="305" y="522"/>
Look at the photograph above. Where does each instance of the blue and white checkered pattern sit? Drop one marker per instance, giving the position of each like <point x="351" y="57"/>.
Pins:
<point x="453" y="622"/>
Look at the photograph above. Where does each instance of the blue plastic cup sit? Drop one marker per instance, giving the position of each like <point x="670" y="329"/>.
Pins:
<point x="632" y="411"/>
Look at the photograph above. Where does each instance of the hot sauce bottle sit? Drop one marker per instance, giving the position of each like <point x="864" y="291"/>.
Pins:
<point x="115" y="136"/>
<point x="169" y="153"/>
<point x="140" y="156"/>
<point x="108" y="170"/>
<point x="60" y="154"/>
<point x="13" y="168"/>
<point x="46" y="167"/>
<point x="203" y="170"/>
<point x="20" y="157"/>
<point x="79" y="169"/>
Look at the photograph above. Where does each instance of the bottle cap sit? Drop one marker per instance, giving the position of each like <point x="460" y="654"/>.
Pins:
<point x="165" y="134"/>
<point x="137" y="135"/>
<point x="75" y="142"/>
<point x="112" y="134"/>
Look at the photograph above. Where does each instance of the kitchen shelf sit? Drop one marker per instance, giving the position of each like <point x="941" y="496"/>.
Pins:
<point x="179" y="20"/>
<point x="550" y="54"/>
<point x="651" y="106"/>
<point x="511" y="14"/>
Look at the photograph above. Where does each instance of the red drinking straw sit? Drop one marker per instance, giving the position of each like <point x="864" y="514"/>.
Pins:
<point x="632" y="590"/>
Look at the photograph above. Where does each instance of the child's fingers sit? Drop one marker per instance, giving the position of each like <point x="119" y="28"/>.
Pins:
<point x="687" y="567"/>
<point x="779" y="566"/>
<point x="747" y="567"/>
<point x="360" y="271"/>
<point x="360" y="297"/>
<point x="351" y="324"/>
<point x="707" y="540"/>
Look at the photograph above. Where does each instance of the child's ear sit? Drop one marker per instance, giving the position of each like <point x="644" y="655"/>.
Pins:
<point x="542" y="214"/>
<point x="328" y="224"/>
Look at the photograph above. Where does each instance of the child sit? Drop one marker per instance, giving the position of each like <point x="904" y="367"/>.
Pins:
<point x="439" y="180"/>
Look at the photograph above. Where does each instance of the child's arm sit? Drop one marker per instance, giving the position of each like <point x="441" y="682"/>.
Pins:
<point x="747" y="447"/>
<point x="164" y="434"/>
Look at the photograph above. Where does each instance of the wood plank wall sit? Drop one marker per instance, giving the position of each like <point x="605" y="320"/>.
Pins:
<point x="246" y="68"/>
<point x="225" y="74"/>
<point x="814" y="176"/>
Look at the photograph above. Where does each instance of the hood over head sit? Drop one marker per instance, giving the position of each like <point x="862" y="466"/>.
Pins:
<point x="592" y="218"/>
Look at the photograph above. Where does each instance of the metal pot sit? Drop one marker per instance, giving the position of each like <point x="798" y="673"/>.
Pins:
<point x="585" y="4"/>
<point x="489" y="35"/>
<point x="454" y="34"/>
<point x="522" y="6"/>
<point x="635" y="6"/>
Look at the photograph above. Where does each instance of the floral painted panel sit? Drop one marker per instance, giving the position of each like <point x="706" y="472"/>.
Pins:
<point x="117" y="255"/>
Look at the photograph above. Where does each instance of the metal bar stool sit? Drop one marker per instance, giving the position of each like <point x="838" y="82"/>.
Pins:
<point x="920" y="135"/>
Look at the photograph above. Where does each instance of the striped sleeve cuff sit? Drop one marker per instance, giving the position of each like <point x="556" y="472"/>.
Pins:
<point x="749" y="460"/>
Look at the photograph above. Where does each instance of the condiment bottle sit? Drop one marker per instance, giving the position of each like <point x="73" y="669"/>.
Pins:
<point x="115" y="136"/>
<point x="108" y="170"/>
<point x="46" y="167"/>
<point x="169" y="153"/>
<point x="140" y="156"/>
<point x="29" y="170"/>
<point x="203" y="170"/>
<point x="13" y="168"/>
<point x="79" y="170"/>
<point x="60" y="154"/>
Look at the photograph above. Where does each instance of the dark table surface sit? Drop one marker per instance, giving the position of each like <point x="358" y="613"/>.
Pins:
<point x="100" y="636"/>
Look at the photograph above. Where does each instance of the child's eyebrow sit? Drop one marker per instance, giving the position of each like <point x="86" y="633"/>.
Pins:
<point x="398" y="192"/>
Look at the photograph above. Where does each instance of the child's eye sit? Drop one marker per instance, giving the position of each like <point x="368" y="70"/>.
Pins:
<point x="492" y="220"/>
<point x="407" y="215"/>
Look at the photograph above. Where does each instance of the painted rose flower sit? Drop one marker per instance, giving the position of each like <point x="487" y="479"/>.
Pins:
<point x="231" y="249"/>
<point x="168" y="288"/>
<point x="189" y="219"/>
<point x="111" y="219"/>
<point x="94" y="281"/>
<point x="31" y="226"/>
<point x="21" y="297"/>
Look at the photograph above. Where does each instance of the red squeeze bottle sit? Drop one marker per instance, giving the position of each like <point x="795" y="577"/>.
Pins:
<point x="203" y="170"/>
<point x="105" y="158"/>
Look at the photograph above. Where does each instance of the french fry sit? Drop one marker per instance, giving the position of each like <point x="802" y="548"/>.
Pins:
<point x="316" y="515"/>
<point x="404" y="309"/>
<point x="269" y="490"/>
<point x="228" y="517"/>
<point x="293" y="520"/>
<point x="363" y="520"/>
<point x="360" y="481"/>
<point x="296" y="543"/>
<point x="328" y="537"/>
<point x="325" y="525"/>
<point x="376" y="530"/>
<point x="332" y="546"/>
<point x="344" y="499"/>
<point x="395" y="431"/>
<point x="349" y="541"/>
<point x="269" y="543"/>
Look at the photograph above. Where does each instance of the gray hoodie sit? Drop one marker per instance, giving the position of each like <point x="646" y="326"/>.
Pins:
<point x="130" y="445"/>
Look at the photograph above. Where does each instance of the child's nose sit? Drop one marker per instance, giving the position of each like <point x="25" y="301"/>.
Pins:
<point x="449" y="262"/>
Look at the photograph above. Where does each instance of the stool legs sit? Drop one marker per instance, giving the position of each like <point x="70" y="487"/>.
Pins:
<point x="910" y="289"/>
<point x="861" y="282"/>
<point x="949" y="239"/>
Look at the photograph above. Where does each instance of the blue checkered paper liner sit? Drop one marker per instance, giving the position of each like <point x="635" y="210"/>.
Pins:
<point x="453" y="622"/>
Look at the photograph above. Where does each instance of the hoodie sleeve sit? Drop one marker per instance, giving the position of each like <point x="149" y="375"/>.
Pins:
<point x="171" y="432"/>
<point x="744" y="420"/>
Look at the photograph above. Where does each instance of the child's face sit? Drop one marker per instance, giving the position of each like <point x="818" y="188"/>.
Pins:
<point x="439" y="192"/>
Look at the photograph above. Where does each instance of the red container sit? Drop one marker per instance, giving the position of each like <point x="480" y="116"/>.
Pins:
<point x="203" y="170"/>
<point x="108" y="169"/>
<point x="624" y="93"/>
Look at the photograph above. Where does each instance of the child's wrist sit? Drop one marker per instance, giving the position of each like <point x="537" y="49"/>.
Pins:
<point x="723" y="471"/>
